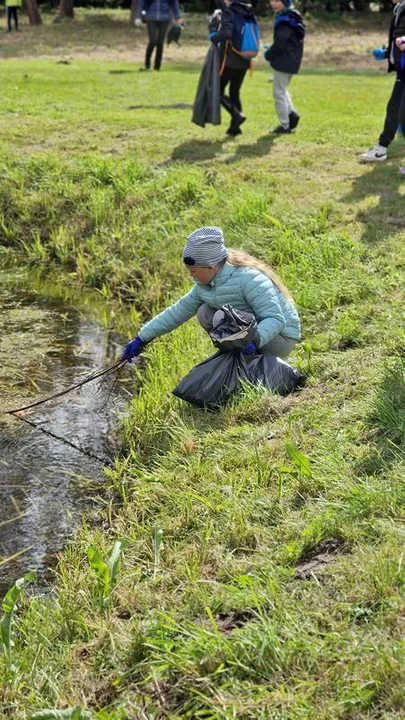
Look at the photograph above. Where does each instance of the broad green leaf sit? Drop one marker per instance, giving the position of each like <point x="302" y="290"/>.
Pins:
<point x="300" y="461"/>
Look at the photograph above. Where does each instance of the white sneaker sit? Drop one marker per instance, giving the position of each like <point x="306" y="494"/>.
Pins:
<point x="377" y="153"/>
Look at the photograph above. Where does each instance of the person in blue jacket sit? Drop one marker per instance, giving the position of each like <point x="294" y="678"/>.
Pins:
<point x="157" y="14"/>
<point x="224" y="276"/>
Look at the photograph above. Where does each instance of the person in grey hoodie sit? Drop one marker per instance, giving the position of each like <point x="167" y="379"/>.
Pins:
<point x="227" y="277"/>
<point x="157" y="14"/>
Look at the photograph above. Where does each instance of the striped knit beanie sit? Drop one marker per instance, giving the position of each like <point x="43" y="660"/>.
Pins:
<point x="205" y="247"/>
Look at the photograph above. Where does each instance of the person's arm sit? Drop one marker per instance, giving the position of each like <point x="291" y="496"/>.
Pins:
<point x="262" y="296"/>
<point x="176" y="9"/>
<point x="172" y="317"/>
<point x="225" y="31"/>
<point x="139" y="8"/>
<point x="282" y="35"/>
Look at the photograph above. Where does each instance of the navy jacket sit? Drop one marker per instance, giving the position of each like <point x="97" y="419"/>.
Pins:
<point x="285" y="54"/>
<point x="162" y="10"/>
<point x="225" y="32"/>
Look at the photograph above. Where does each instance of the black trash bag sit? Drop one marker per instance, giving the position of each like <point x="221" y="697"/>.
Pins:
<point x="211" y="383"/>
<point x="174" y="34"/>
<point x="233" y="329"/>
<point x="207" y="105"/>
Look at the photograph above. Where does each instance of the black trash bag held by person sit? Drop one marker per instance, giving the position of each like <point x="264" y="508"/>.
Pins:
<point x="174" y="34"/>
<point x="211" y="383"/>
<point x="207" y="107"/>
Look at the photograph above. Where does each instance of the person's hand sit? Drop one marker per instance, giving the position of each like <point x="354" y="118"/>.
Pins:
<point x="249" y="349"/>
<point x="266" y="54"/>
<point x="138" y="22"/>
<point x="133" y="349"/>
<point x="379" y="54"/>
<point x="180" y="21"/>
<point x="400" y="43"/>
<point x="212" y="36"/>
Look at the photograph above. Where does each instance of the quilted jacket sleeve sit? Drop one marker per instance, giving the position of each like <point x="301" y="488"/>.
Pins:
<point x="262" y="296"/>
<point x="172" y="317"/>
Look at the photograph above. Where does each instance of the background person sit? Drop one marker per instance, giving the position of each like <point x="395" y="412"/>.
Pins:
<point x="395" y="113"/>
<point x="157" y="14"/>
<point x="285" y="57"/>
<point x="224" y="276"/>
<point x="12" y="13"/>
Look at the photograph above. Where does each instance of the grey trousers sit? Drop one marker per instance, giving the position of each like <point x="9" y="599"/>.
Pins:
<point x="280" y="346"/>
<point x="282" y="98"/>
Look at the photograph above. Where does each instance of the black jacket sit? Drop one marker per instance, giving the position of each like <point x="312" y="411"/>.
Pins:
<point x="397" y="29"/>
<point x="225" y="33"/>
<point x="285" y="54"/>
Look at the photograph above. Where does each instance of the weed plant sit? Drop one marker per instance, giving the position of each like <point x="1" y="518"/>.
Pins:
<point x="263" y="573"/>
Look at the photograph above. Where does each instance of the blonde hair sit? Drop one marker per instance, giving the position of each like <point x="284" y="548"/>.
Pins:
<point x="243" y="259"/>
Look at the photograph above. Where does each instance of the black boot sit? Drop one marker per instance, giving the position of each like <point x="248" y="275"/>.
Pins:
<point x="237" y="116"/>
<point x="294" y="119"/>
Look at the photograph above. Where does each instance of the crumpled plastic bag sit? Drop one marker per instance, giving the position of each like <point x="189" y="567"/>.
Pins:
<point x="233" y="329"/>
<point x="211" y="383"/>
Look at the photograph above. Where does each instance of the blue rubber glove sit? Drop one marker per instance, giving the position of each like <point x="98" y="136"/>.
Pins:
<point x="133" y="349"/>
<point x="212" y="35"/>
<point x="379" y="54"/>
<point x="249" y="349"/>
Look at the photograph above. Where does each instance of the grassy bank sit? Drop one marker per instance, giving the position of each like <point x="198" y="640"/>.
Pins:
<point x="262" y="560"/>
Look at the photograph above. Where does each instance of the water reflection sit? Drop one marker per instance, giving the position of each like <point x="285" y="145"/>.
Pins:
<point x="45" y="485"/>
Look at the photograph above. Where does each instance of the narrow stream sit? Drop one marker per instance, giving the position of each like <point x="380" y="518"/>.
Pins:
<point x="45" y="485"/>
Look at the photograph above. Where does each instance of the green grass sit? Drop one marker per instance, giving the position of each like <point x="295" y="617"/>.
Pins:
<point x="214" y="614"/>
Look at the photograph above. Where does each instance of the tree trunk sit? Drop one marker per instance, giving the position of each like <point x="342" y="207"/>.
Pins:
<point x="133" y="11"/>
<point x="66" y="9"/>
<point x="33" y="12"/>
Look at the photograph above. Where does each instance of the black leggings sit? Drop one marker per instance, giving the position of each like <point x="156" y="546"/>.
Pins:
<point x="235" y="78"/>
<point x="12" y="12"/>
<point x="395" y="111"/>
<point x="157" y="30"/>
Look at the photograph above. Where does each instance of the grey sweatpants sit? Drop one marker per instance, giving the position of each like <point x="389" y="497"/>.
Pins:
<point x="282" y="98"/>
<point x="280" y="346"/>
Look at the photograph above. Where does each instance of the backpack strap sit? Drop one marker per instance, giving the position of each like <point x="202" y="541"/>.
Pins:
<point x="223" y="62"/>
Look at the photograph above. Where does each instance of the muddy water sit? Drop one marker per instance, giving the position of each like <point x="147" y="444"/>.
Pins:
<point x="46" y="485"/>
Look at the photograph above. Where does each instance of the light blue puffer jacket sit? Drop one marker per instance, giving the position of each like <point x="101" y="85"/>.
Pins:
<point x="244" y="288"/>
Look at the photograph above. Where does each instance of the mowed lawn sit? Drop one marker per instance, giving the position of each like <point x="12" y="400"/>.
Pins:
<point x="262" y="569"/>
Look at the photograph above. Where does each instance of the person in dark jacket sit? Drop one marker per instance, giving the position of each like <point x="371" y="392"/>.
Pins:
<point x="233" y="66"/>
<point x="395" y="113"/>
<point x="285" y="56"/>
<point x="157" y="14"/>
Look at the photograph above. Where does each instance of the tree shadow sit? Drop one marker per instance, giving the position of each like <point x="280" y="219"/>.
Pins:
<point x="172" y="106"/>
<point x="121" y="72"/>
<point x="383" y="214"/>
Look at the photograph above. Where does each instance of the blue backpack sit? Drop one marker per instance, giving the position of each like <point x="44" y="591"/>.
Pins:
<point x="246" y="36"/>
